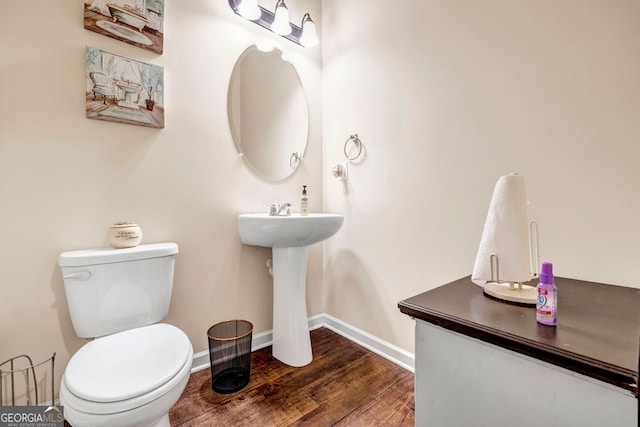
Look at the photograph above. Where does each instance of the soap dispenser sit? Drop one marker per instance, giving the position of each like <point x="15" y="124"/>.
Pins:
<point x="304" y="210"/>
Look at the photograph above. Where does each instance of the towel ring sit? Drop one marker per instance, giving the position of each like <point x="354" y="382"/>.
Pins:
<point x="295" y="160"/>
<point x="353" y="138"/>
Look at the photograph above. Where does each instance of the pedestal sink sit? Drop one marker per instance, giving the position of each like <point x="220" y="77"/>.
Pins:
<point x="289" y="237"/>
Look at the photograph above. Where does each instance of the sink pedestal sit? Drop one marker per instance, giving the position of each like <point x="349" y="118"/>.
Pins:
<point x="289" y="238"/>
<point x="291" y="341"/>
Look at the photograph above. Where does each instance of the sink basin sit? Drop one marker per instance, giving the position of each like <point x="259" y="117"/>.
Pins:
<point x="287" y="231"/>
<point x="289" y="237"/>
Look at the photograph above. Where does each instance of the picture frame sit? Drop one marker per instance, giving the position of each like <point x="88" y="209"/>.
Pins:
<point x="137" y="22"/>
<point x="123" y="90"/>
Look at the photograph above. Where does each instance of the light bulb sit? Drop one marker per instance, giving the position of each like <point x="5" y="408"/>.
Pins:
<point x="281" y="23"/>
<point x="309" y="38"/>
<point x="249" y="9"/>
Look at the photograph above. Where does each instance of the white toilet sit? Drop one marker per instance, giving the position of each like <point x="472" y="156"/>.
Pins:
<point x="136" y="368"/>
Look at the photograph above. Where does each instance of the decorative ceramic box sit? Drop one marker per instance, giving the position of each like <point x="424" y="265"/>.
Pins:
<point x="124" y="235"/>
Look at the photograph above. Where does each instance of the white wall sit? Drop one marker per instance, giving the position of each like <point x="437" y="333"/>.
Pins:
<point x="447" y="95"/>
<point x="64" y="179"/>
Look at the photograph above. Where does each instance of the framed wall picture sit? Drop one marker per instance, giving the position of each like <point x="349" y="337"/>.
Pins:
<point x="123" y="90"/>
<point x="138" y="22"/>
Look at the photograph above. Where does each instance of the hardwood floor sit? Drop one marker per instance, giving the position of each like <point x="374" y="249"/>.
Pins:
<point x="345" y="385"/>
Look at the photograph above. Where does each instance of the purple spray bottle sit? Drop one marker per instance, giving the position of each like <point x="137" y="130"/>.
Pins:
<point x="547" y="306"/>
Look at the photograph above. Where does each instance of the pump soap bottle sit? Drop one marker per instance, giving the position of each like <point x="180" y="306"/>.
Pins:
<point x="547" y="305"/>
<point x="304" y="210"/>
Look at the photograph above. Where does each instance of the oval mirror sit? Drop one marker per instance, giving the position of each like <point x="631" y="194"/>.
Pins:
<point x="268" y="113"/>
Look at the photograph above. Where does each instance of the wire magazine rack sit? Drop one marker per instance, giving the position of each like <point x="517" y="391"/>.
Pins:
<point x="19" y="382"/>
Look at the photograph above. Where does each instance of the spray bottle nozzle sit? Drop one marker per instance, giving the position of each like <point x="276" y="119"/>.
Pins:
<point x="546" y="275"/>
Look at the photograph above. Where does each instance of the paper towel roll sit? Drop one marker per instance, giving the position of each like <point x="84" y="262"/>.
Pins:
<point x="506" y="234"/>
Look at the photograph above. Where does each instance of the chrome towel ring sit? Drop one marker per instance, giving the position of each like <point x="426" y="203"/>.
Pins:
<point x="356" y="141"/>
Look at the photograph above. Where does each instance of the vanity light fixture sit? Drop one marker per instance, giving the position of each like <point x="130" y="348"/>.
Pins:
<point x="278" y="21"/>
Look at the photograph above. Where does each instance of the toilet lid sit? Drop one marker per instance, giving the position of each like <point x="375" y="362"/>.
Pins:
<point x="127" y="364"/>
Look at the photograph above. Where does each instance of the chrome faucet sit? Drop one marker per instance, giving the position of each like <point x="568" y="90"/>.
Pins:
<point x="280" y="209"/>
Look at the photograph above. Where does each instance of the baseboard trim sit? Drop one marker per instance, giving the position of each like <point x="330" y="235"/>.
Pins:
<point x="383" y="348"/>
<point x="387" y="350"/>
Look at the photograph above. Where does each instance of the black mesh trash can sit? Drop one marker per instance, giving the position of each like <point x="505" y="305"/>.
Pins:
<point x="230" y="355"/>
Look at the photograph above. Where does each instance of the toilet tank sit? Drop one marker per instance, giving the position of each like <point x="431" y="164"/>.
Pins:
<point x="112" y="290"/>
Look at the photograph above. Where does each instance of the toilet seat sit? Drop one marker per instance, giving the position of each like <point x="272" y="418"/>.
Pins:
<point x="126" y="370"/>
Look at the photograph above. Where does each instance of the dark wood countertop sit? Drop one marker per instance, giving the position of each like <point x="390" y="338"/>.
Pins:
<point x="597" y="332"/>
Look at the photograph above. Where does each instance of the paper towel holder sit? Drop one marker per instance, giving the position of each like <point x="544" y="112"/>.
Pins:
<point x="516" y="292"/>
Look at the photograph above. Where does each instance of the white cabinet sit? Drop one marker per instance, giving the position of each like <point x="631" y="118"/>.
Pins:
<point x="464" y="382"/>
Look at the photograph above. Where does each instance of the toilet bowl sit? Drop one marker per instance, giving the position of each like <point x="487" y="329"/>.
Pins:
<point x="131" y="378"/>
